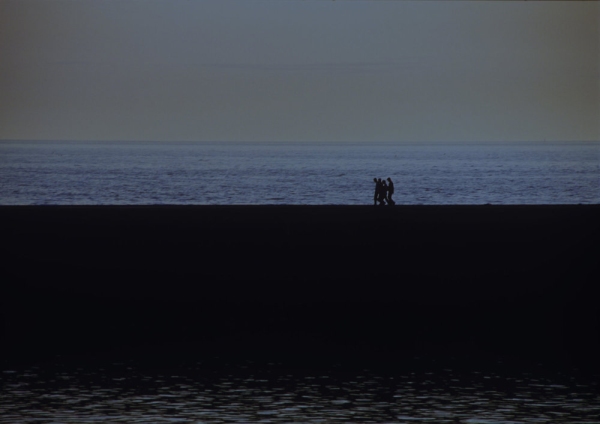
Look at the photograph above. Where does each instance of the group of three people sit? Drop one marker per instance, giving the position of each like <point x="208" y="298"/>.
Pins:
<point x="383" y="192"/>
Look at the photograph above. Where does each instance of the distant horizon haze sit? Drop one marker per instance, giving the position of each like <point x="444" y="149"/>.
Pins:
<point x="374" y="142"/>
<point x="269" y="70"/>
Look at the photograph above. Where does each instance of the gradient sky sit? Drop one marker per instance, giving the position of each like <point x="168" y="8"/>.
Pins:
<point x="346" y="70"/>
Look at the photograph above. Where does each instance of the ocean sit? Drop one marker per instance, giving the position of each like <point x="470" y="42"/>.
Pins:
<point x="249" y="173"/>
<point x="200" y="392"/>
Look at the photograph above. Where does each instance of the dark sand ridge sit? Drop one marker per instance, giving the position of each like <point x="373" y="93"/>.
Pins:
<point x="499" y="278"/>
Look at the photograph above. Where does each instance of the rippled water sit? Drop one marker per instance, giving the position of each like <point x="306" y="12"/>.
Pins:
<point x="73" y="173"/>
<point x="196" y="393"/>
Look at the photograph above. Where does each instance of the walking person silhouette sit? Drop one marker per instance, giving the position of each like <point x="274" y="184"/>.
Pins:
<point x="377" y="190"/>
<point x="384" y="193"/>
<point x="390" y="192"/>
<point x="380" y="192"/>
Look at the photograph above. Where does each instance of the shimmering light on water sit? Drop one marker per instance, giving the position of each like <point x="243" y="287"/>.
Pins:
<point x="72" y="173"/>
<point x="271" y="394"/>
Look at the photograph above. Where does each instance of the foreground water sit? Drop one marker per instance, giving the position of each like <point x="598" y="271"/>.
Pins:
<point x="117" y="173"/>
<point x="197" y="392"/>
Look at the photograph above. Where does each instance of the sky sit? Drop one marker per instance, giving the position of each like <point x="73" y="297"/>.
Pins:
<point x="299" y="70"/>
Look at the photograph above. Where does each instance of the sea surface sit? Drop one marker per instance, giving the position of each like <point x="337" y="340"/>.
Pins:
<point x="244" y="392"/>
<point x="158" y="173"/>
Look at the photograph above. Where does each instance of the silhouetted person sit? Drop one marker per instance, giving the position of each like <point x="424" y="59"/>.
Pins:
<point x="381" y="192"/>
<point x="390" y="191"/>
<point x="384" y="193"/>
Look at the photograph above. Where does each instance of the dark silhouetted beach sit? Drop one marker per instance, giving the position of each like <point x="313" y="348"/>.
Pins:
<point x="356" y="282"/>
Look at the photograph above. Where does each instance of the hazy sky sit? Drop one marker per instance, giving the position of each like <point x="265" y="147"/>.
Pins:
<point x="299" y="70"/>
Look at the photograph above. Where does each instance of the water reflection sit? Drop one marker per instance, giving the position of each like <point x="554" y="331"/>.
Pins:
<point x="196" y="393"/>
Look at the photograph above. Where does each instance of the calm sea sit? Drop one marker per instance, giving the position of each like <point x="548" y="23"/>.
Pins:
<point x="197" y="392"/>
<point x="117" y="173"/>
